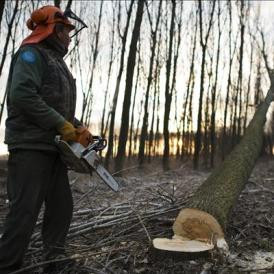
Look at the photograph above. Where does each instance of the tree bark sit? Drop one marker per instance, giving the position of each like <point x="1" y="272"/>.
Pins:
<point x="118" y="82"/>
<point x="248" y="88"/>
<point x="206" y="119"/>
<point x="213" y="99"/>
<point x="109" y="73"/>
<point x="224" y="133"/>
<point x="144" y="130"/>
<point x="128" y="89"/>
<point x="155" y="97"/>
<point x="187" y="101"/>
<point x="2" y="7"/>
<point x="130" y="150"/>
<point x="69" y="4"/>
<point x="203" y="42"/>
<point x="240" y="80"/>
<point x="236" y="129"/>
<point x="4" y="55"/>
<point x="57" y="3"/>
<point x="168" y="92"/>
<point x="173" y="83"/>
<point x="88" y="100"/>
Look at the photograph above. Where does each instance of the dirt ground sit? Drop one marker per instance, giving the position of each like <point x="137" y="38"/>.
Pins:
<point x="112" y="232"/>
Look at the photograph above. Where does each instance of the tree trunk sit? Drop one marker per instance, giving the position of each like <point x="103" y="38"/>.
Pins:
<point x="69" y="4"/>
<point x="57" y="3"/>
<point x="155" y="96"/>
<point x="118" y="82"/>
<point x="144" y="130"/>
<point x="213" y="99"/>
<point x="156" y="104"/>
<point x="87" y="106"/>
<point x="219" y="193"/>
<point x="168" y="92"/>
<point x="173" y="83"/>
<point x="248" y="87"/>
<point x="240" y="80"/>
<point x="130" y="150"/>
<point x="109" y="74"/>
<point x="206" y="120"/>
<point x="4" y="55"/>
<point x="187" y="101"/>
<point x="128" y="89"/>
<point x="224" y="133"/>
<point x="203" y="43"/>
<point x="2" y="6"/>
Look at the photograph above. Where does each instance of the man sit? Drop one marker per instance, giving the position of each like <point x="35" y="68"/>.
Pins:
<point x="41" y="104"/>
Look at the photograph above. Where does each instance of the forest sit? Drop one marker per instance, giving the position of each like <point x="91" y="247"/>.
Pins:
<point x="182" y="92"/>
<point x="160" y="78"/>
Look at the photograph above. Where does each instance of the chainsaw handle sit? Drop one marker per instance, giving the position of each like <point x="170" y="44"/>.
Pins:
<point x="98" y="144"/>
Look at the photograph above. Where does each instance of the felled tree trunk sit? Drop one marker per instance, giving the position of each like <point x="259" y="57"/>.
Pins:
<point x="206" y="216"/>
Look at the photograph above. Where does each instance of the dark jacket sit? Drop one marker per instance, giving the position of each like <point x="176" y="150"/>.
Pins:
<point x="41" y="95"/>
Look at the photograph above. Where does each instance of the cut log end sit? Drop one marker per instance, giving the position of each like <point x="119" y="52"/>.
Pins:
<point x="181" y="245"/>
<point x="194" y="231"/>
<point x="194" y="224"/>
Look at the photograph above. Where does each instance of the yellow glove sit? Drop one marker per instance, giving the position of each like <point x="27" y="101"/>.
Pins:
<point x="84" y="137"/>
<point x="68" y="132"/>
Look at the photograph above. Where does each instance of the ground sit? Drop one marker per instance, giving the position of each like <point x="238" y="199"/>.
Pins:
<point x="112" y="232"/>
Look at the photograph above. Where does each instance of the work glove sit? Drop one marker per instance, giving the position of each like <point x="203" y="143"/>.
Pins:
<point x="68" y="132"/>
<point x="84" y="137"/>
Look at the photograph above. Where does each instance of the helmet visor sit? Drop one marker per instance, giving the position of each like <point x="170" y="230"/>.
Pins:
<point x="77" y="22"/>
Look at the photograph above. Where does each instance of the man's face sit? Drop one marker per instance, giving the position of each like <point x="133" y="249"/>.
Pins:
<point x="64" y="36"/>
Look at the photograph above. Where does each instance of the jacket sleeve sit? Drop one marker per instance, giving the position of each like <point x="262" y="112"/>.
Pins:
<point x="26" y="82"/>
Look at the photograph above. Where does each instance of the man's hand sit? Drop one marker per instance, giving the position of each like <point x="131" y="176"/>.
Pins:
<point x="84" y="137"/>
<point x="80" y="135"/>
<point x="68" y="132"/>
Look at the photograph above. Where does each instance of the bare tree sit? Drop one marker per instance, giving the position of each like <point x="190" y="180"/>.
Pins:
<point x="229" y="83"/>
<point x="154" y="30"/>
<point x="118" y="82"/>
<point x="57" y="3"/>
<point x="187" y="104"/>
<point x="109" y="71"/>
<point x="168" y="92"/>
<point x="128" y="89"/>
<point x="206" y="123"/>
<point x="156" y="102"/>
<point x="248" y="85"/>
<point x="131" y="150"/>
<point x="2" y="6"/>
<point x="88" y="99"/>
<point x="236" y="129"/>
<point x="214" y="91"/>
<point x="69" y="4"/>
<point x="4" y="55"/>
<point x="203" y="43"/>
<point x="173" y="83"/>
<point x="8" y="37"/>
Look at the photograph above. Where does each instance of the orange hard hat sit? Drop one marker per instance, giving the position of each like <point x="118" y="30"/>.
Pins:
<point x="42" y="23"/>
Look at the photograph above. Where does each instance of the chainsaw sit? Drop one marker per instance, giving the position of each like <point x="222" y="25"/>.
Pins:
<point x="85" y="159"/>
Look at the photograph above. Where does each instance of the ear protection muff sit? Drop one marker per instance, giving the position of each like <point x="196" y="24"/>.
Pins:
<point x="37" y="17"/>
